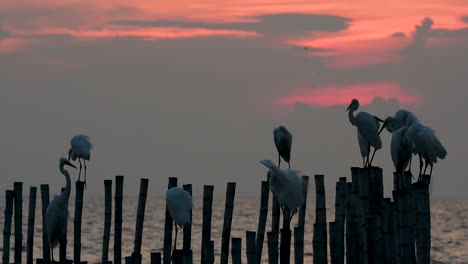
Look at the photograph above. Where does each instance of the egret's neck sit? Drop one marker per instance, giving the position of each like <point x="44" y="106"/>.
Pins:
<point x="351" y="117"/>
<point x="66" y="192"/>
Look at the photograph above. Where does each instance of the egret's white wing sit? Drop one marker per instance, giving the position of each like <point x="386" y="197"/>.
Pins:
<point x="369" y="129"/>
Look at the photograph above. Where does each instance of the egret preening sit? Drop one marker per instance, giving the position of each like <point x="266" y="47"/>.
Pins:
<point x="426" y="145"/>
<point x="57" y="211"/>
<point x="80" y="148"/>
<point x="283" y="141"/>
<point x="367" y="131"/>
<point x="401" y="147"/>
<point x="286" y="186"/>
<point x="179" y="203"/>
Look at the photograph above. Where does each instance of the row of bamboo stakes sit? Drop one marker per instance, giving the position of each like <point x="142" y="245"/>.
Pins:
<point x="368" y="228"/>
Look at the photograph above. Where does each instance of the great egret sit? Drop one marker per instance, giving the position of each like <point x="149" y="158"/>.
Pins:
<point x="286" y="186"/>
<point x="80" y="148"/>
<point x="401" y="147"/>
<point x="426" y="145"/>
<point x="57" y="211"/>
<point x="283" y="141"/>
<point x="179" y="203"/>
<point x="367" y="131"/>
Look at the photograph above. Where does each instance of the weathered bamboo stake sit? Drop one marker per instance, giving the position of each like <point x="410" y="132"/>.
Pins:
<point x="250" y="247"/>
<point x="350" y="216"/>
<point x="107" y="220"/>
<point x="298" y="245"/>
<point x="178" y="256"/>
<point x="168" y="222"/>
<point x="209" y="252"/>
<point x="387" y="233"/>
<point x="334" y="237"/>
<point x="424" y="220"/>
<point x="206" y="224"/>
<point x="405" y="230"/>
<point x="355" y="174"/>
<point x="18" y="214"/>
<point x="272" y="238"/>
<point x="396" y="225"/>
<point x="7" y="226"/>
<point x="375" y="189"/>
<point x="128" y="260"/>
<point x="265" y="194"/>
<point x="364" y="184"/>
<point x="236" y="250"/>
<point x="275" y="213"/>
<point x="119" y="180"/>
<point x="77" y="222"/>
<point x="155" y="257"/>
<point x="187" y="242"/>
<point x="352" y="256"/>
<point x="45" y="241"/>
<point x="372" y="242"/>
<point x="140" y="220"/>
<point x="63" y="243"/>
<point x="285" y="239"/>
<point x="228" y="209"/>
<point x="340" y="215"/>
<point x="319" y="242"/>
<point x="31" y="218"/>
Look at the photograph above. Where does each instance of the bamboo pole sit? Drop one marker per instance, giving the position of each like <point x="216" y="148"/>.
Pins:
<point x="119" y="180"/>
<point x="77" y="222"/>
<point x="272" y="238"/>
<point x="228" y="210"/>
<point x="375" y="189"/>
<point x="298" y="245"/>
<point x="168" y="227"/>
<point x="405" y="230"/>
<point x="209" y="252"/>
<point x="319" y="242"/>
<point x="349" y="216"/>
<point x="107" y="220"/>
<point x="206" y="224"/>
<point x="45" y="240"/>
<point x="374" y="254"/>
<point x="9" y="196"/>
<point x="18" y="214"/>
<point x="265" y="193"/>
<point x="355" y="200"/>
<point x="424" y="220"/>
<point x="31" y="219"/>
<point x="155" y="257"/>
<point x="340" y="216"/>
<point x="187" y="242"/>
<point x="178" y="256"/>
<point x="275" y="213"/>
<point x="250" y="247"/>
<point x="128" y="260"/>
<point x="364" y="182"/>
<point x="140" y="220"/>
<point x="285" y="240"/>
<point x="236" y="250"/>
<point x="63" y="243"/>
<point x="334" y="237"/>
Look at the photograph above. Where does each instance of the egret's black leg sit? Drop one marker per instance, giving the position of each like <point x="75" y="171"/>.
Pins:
<point x="420" y="166"/>
<point x="175" y="241"/>
<point x="79" y="173"/>
<point x="84" y="161"/>
<point x="425" y="167"/>
<point x="373" y="154"/>
<point x="430" y="172"/>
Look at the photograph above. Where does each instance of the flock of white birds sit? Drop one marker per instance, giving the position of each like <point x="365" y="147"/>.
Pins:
<point x="409" y="136"/>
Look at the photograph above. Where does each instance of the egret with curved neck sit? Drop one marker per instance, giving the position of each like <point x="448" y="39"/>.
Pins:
<point x="57" y="211"/>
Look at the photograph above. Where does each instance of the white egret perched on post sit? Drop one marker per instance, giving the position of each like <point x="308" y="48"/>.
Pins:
<point x="283" y="142"/>
<point x="401" y="147"/>
<point x="179" y="203"/>
<point x="80" y="148"/>
<point x="57" y="211"/>
<point x="367" y="131"/>
<point x="286" y="186"/>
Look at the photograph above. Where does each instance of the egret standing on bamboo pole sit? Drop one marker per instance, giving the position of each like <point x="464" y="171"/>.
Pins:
<point x="80" y="148"/>
<point x="179" y="203"/>
<point x="283" y="141"/>
<point x="286" y="186"/>
<point x="57" y="211"/>
<point x="367" y="131"/>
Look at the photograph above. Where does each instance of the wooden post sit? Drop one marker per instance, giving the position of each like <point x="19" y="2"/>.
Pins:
<point x="168" y="227"/>
<point x="334" y="237"/>
<point x="128" y="260"/>
<point x="319" y="242"/>
<point x="155" y="257"/>
<point x="31" y="218"/>
<point x="375" y="189"/>
<point x="77" y="222"/>
<point x="272" y="238"/>
<point x="236" y="250"/>
<point x="250" y="247"/>
<point x="285" y="239"/>
<point x="140" y="220"/>
<point x="18" y="213"/>
<point x="45" y="240"/>
<point x="207" y="212"/>
<point x="275" y="213"/>
<point x="209" y="252"/>
<point x="178" y="256"/>
<point x="264" y="196"/>
<point x="340" y="216"/>
<point x="405" y="230"/>
<point x="424" y="219"/>
<point x="107" y="220"/>
<point x="375" y="255"/>
<point x="9" y="194"/>
<point x="364" y="182"/>
<point x="187" y="242"/>
<point x="388" y="233"/>
<point x="119" y="180"/>
<point x="63" y="244"/>
<point x="228" y="209"/>
<point x="351" y="247"/>
<point x="298" y="245"/>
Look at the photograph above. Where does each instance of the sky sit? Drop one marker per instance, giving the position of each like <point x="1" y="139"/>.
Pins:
<point x="194" y="89"/>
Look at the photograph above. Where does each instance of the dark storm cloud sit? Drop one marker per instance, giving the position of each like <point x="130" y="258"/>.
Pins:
<point x="272" y="24"/>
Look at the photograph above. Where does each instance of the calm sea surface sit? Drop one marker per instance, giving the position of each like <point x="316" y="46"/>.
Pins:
<point x="449" y="227"/>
